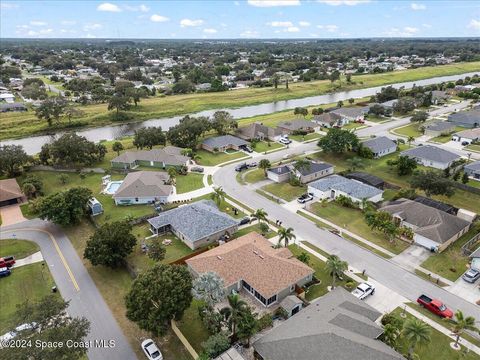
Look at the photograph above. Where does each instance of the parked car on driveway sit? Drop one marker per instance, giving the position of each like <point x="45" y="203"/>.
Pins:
<point x="246" y="148"/>
<point x="284" y="141"/>
<point x="305" y="198"/>
<point x="7" y="261"/>
<point x="363" y="290"/>
<point x="435" y="306"/>
<point x="465" y="143"/>
<point x="244" y="221"/>
<point x="252" y="164"/>
<point x="198" y="169"/>
<point x="241" y="167"/>
<point x="151" y="350"/>
<point x="471" y="275"/>
<point x="4" y="271"/>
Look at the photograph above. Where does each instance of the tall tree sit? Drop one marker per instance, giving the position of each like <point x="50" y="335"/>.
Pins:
<point x="302" y="164"/>
<point x="209" y="287"/>
<point x="247" y="326"/>
<point x="462" y="323"/>
<point x="223" y="122"/>
<point x="419" y="117"/>
<point x="159" y="295"/>
<point x="110" y="244"/>
<point x="188" y="131"/>
<point x="355" y="163"/>
<point x="149" y="137"/>
<point x="416" y="332"/>
<point x="12" y="159"/>
<point x="404" y="164"/>
<point x="335" y="267"/>
<point x="260" y="215"/>
<point x="433" y="183"/>
<point x="118" y="102"/>
<point x="156" y="250"/>
<point x="264" y="164"/>
<point x="218" y="195"/>
<point x="338" y="141"/>
<point x="285" y="235"/>
<point x="234" y="311"/>
<point x="117" y="147"/>
<point x="51" y="109"/>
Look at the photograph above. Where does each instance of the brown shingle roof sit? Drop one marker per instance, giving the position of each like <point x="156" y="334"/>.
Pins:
<point x="144" y="183"/>
<point x="9" y="190"/>
<point x="251" y="258"/>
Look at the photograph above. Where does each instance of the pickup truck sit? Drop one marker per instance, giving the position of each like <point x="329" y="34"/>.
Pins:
<point x="435" y="306"/>
<point x="363" y="291"/>
<point x="7" y="261"/>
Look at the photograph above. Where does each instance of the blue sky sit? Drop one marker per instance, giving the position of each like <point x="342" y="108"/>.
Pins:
<point x="239" y="19"/>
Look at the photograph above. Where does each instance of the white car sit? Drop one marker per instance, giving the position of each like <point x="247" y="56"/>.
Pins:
<point x="151" y="350"/>
<point x="284" y="141"/>
<point x="363" y="290"/>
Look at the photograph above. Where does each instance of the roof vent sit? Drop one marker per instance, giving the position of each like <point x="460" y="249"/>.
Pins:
<point x="219" y="257"/>
<point x="261" y="256"/>
<point x="255" y="252"/>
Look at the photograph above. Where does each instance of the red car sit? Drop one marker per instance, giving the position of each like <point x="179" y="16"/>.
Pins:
<point x="7" y="261"/>
<point x="435" y="306"/>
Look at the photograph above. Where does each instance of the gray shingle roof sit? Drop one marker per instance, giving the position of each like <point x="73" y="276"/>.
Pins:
<point x="327" y="118"/>
<point x="314" y="167"/>
<point x="196" y="221"/>
<point x="440" y="126"/>
<point x="379" y="144"/>
<point x="350" y="112"/>
<point x="168" y="155"/>
<point x="466" y="117"/>
<point x="144" y="184"/>
<point x="432" y="153"/>
<point x="222" y="141"/>
<point x="297" y="124"/>
<point x="389" y="103"/>
<point x="337" y="326"/>
<point x="280" y="170"/>
<point x="475" y="166"/>
<point x="353" y="188"/>
<point x="431" y="223"/>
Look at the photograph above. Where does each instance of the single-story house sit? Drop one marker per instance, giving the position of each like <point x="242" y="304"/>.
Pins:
<point x="390" y="104"/>
<point x="95" y="206"/>
<point x="366" y="178"/>
<point x="144" y="187"/>
<point x="251" y="264"/>
<point x="468" y="119"/>
<point x="337" y="326"/>
<point x="291" y="126"/>
<point x="10" y="192"/>
<point x="7" y="97"/>
<point x="335" y="185"/>
<point x="473" y="170"/>
<point x="380" y="146"/>
<point x="432" y="156"/>
<point x="316" y="170"/>
<point x="439" y="97"/>
<point x="158" y="158"/>
<point x="437" y="205"/>
<point x="222" y="143"/>
<point x="197" y="224"/>
<point x="439" y="128"/>
<point x="470" y="136"/>
<point x="350" y="113"/>
<point x="258" y="131"/>
<point x="15" y="107"/>
<point x="434" y="229"/>
<point x="330" y="119"/>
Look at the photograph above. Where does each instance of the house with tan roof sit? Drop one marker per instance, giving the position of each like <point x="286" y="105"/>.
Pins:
<point x="10" y="192"/>
<point x="158" y="158"/>
<point x="467" y="136"/>
<point x="258" y="131"/>
<point x="144" y="187"/>
<point x="251" y="264"/>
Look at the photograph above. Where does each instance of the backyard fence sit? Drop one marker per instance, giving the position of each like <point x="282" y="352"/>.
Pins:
<point x="467" y="188"/>
<point x="471" y="245"/>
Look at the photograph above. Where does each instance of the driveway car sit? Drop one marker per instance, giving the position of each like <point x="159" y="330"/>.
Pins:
<point x="246" y="148"/>
<point x="4" y="271"/>
<point x="244" y="221"/>
<point x="471" y="275"/>
<point x="363" y="290"/>
<point x="253" y="164"/>
<point x="305" y="197"/>
<point x="241" y="167"/>
<point x="198" y="169"/>
<point x="284" y="141"/>
<point x="151" y="350"/>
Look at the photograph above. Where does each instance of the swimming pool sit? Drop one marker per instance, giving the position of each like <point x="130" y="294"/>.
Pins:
<point x="112" y="187"/>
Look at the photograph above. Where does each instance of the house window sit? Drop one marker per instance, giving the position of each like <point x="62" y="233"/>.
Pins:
<point x="136" y="199"/>
<point x="292" y="287"/>
<point x="272" y="300"/>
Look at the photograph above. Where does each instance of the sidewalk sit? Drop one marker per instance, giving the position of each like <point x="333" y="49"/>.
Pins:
<point x="31" y="259"/>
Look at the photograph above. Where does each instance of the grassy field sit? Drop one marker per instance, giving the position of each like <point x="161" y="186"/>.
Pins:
<point x="263" y="146"/>
<point x="451" y="259"/>
<point x="409" y="130"/>
<point x="208" y="158"/>
<point x="353" y="220"/>
<point x="305" y="138"/>
<point x="189" y="182"/>
<point x="32" y="282"/>
<point x="285" y="190"/>
<point x="437" y="348"/>
<point x="474" y="147"/>
<point x="18" y="248"/>
<point x="16" y="125"/>
<point x="255" y="227"/>
<point x="254" y="176"/>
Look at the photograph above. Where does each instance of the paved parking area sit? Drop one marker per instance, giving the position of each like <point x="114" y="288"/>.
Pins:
<point x="412" y="257"/>
<point x="465" y="290"/>
<point x="11" y="215"/>
<point x="384" y="300"/>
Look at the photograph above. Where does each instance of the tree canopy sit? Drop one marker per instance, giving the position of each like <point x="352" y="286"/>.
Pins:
<point x="432" y="182"/>
<point x="149" y="137"/>
<point x="188" y="131"/>
<point x="12" y="159"/>
<point x="338" y="141"/>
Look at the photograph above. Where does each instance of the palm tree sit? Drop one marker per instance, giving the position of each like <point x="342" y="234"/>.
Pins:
<point x="416" y="332"/>
<point x="264" y="164"/>
<point x="285" y="234"/>
<point x="355" y="163"/>
<point x="234" y="311"/>
<point x="410" y="140"/>
<point x="218" y="195"/>
<point x="461" y="323"/>
<point x="390" y="334"/>
<point x="302" y="164"/>
<point x="335" y="267"/>
<point x="260" y="215"/>
<point x="172" y="172"/>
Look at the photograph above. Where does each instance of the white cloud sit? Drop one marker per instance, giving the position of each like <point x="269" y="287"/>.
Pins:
<point x="92" y="27"/>
<point x="189" y="22"/>
<point x="405" y="32"/>
<point x="237" y="3"/>
<point x="474" y="24"/>
<point x="293" y="29"/>
<point x="108" y="7"/>
<point x="343" y="2"/>
<point x="410" y="30"/>
<point x="304" y="23"/>
<point x="68" y="22"/>
<point x="40" y="32"/>
<point x="158" y="18"/>
<point x="427" y="26"/>
<point x="6" y="6"/>
<point x="38" y="23"/>
<point x="142" y="8"/>
<point x="273" y="3"/>
<point x="416" y="6"/>
<point x="249" y="34"/>
<point x="223" y="25"/>
<point x="280" y="24"/>
<point x="210" y="31"/>
<point x="90" y="36"/>
<point x="329" y="28"/>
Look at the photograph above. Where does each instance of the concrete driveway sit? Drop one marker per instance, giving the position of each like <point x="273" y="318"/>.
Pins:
<point x="384" y="300"/>
<point x="11" y="215"/>
<point x="412" y="257"/>
<point x="465" y="290"/>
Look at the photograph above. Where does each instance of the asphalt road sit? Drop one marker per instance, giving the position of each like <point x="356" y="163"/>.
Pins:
<point x="75" y="285"/>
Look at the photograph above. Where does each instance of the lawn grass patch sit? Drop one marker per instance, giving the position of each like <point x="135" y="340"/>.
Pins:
<point x="317" y="222"/>
<point x="189" y="182"/>
<point x="285" y="190"/>
<point x="192" y="326"/>
<point x="254" y="176"/>
<point x="263" y="146"/>
<point x="315" y="248"/>
<point x="430" y="277"/>
<point x="207" y="158"/>
<point x="256" y="227"/>
<point x="210" y="179"/>
<point x="18" y="248"/>
<point x="473" y="147"/>
<point x="366" y="246"/>
<point x="308" y="137"/>
<point x="409" y="130"/>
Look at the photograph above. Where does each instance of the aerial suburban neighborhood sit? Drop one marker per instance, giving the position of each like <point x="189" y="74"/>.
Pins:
<point x="240" y="180"/>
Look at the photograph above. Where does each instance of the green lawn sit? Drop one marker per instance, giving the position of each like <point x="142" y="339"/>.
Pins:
<point x="192" y="327"/>
<point x="315" y="248"/>
<point x="353" y="125"/>
<point x="409" y="130"/>
<point x="256" y="227"/>
<point x="307" y="137"/>
<point x="353" y="220"/>
<point x="377" y="119"/>
<point x="189" y="182"/>
<point x="473" y="147"/>
<point x="254" y="176"/>
<point x="224" y="206"/>
<point x="207" y="158"/>
<point x="451" y="259"/>
<point x="321" y="274"/>
<point x="437" y="348"/>
<point x="17" y="248"/>
<point x="32" y="282"/>
<point x="263" y="146"/>
<point x="285" y="190"/>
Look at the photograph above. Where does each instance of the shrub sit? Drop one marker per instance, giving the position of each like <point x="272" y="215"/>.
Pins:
<point x="216" y="344"/>
<point x="265" y="321"/>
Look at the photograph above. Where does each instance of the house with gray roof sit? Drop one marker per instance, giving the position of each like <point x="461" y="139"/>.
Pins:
<point x="439" y="97"/>
<point x="157" y="158"/>
<point x="337" y="326"/>
<point x="222" y="143"/>
<point x="335" y="185"/>
<point x="258" y="131"/>
<point x="144" y="187"/>
<point x="473" y="170"/>
<point x="197" y="224"/>
<point x="329" y="119"/>
<point x="468" y="119"/>
<point x="314" y="171"/>
<point x="351" y="113"/>
<point x="467" y="136"/>
<point x="380" y="146"/>
<point x="434" y="229"/>
<point x="15" y="107"/>
<point x="291" y="126"/>
<point x="431" y="156"/>
<point x="439" y="128"/>
<point x="390" y="104"/>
